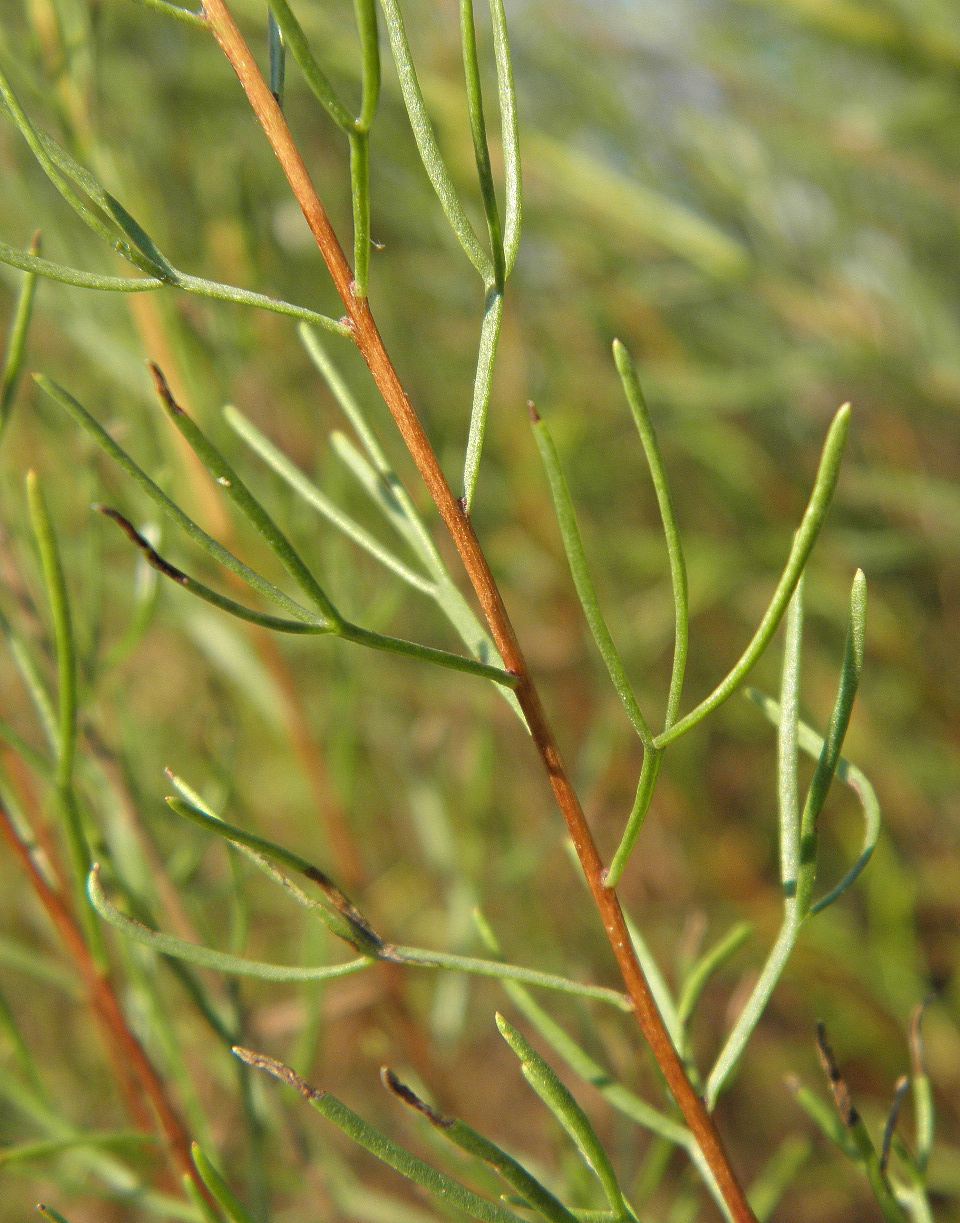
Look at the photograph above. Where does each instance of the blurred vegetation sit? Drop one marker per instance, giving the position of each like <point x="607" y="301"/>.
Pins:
<point x="761" y="198"/>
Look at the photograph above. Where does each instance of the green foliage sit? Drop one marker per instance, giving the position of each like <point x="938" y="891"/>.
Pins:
<point x="780" y="246"/>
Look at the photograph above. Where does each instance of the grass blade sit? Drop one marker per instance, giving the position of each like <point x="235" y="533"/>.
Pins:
<point x="576" y="558"/>
<point x="430" y="154"/>
<point x="207" y="957"/>
<point x="535" y="1195"/>
<point x="17" y="339"/>
<point x="805" y="538"/>
<point x="445" y="1188"/>
<point x="568" y="1112"/>
<point x="482" y="386"/>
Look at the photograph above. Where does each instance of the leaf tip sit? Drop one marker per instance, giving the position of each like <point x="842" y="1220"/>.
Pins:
<point x="533" y="413"/>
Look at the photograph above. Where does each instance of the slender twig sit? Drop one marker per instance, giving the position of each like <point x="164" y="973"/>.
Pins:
<point x="130" y="1056"/>
<point x="370" y="344"/>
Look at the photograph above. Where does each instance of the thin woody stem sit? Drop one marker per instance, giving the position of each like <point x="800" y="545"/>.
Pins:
<point x="371" y="347"/>
<point x="132" y="1063"/>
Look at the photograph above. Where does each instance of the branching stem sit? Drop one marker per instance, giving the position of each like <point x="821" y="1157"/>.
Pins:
<point x="368" y="341"/>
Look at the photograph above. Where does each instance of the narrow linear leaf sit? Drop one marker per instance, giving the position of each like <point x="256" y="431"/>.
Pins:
<point x="649" y="772"/>
<point x="192" y="586"/>
<point x="504" y="972"/>
<point x="707" y="966"/>
<point x="830" y="753"/>
<point x="17" y="339"/>
<point x="576" y="558"/>
<point x="295" y="478"/>
<point x="482" y="386"/>
<point x="778" y="1175"/>
<point x="34" y="683"/>
<point x="443" y="1187"/>
<point x="568" y="1112"/>
<point x="427" y="145"/>
<point x="478" y="132"/>
<point x="678" y="568"/>
<point x="243" y="499"/>
<point x="207" y="957"/>
<point x="59" y="602"/>
<point x="276" y="58"/>
<point x="36" y="266"/>
<point x="52" y="160"/>
<point x="173" y="511"/>
<point x="313" y="74"/>
<point x="425" y="653"/>
<point x="348" y="922"/>
<point x="226" y="1199"/>
<point x="48" y="1212"/>
<point x="805" y="538"/>
<point x="28" y="1152"/>
<point x="922" y="1094"/>
<point x="509" y="136"/>
<point x="366" y="15"/>
<point x="532" y="1193"/>
<point x="788" y="734"/>
<point x="188" y="16"/>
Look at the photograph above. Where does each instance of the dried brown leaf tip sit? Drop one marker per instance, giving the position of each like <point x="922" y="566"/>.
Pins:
<point x="410" y="1097"/>
<point x="164" y="393"/>
<point x="838" y="1086"/>
<point x="532" y="409"/>
<point x="279" y="1070"/>
<point x="150" y="553"/>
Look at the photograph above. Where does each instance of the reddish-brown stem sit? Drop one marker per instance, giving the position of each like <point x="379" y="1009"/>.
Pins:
<point x="138" y="1078"/>
<point x="371" y="346"/>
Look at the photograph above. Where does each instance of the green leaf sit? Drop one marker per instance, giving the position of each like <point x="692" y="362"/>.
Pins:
<point x="341" y="917"/>
<point x="707" y="965"/>
<point x="478" y="131"/>
<point x="430" y="154"/>
<point x="173" y="511"/>
<point x="192" y="586"/>
<point x="207" y="957"/>
<point x="225" y="1197"/>
<point x="17" y="339"/>
<point x="805" y="538"/>
<point x="568" y="1112"/>
<point x="509" y="136"/>
<point x="482" y="386"/>
<point x="678" y="568"/>
<point x="447" y="1190"/>
<point x="586" y="592"/>
<point x="244" y="500"/>
<point x="830" y="753"/>
<point x="312" y="495"/>
<point x="533" y="1194"/>
<point x="313" y="74"/>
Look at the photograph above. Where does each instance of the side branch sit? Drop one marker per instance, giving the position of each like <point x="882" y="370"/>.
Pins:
<point x="457" y="522"/>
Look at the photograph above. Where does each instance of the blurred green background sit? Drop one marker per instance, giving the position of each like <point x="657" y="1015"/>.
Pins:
<point x="761" y="198"/>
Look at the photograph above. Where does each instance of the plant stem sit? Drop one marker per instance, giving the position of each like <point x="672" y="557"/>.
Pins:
<point x="457" y="522"/>
<point x="134" y="1068"/>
